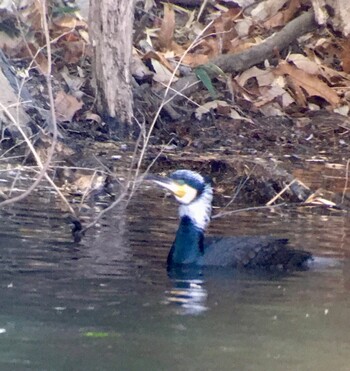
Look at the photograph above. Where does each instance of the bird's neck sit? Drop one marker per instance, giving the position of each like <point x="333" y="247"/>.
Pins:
<point x="194" y="218"/>
<point x="188" y="245"/>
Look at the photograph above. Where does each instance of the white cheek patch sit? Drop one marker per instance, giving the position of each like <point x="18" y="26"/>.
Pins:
<point x="189" y="194"/>
<point x="199" y="210"/>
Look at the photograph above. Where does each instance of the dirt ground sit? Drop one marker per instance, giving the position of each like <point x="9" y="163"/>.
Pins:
<point x="301" y="156"/>
<point x="252" y="160"/>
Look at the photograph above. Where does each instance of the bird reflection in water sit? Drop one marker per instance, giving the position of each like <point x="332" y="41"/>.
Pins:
<point x="188" y="293"/>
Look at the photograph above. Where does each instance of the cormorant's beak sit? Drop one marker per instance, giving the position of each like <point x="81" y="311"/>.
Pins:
<point x="178" y="190"/>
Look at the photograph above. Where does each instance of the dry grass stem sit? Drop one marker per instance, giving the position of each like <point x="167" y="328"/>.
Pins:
<point x="279" y="194"/>
<point x="225" y="213"/>
<point x="346" y="180"/>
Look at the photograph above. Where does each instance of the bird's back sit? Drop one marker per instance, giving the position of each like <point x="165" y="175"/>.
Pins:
<point x="261" y="252"/>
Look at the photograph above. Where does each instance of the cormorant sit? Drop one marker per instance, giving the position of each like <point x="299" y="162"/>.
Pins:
<point x="195" y="194"/>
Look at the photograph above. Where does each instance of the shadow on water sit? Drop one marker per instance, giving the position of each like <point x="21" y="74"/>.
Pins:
<point x="108" y="303"/>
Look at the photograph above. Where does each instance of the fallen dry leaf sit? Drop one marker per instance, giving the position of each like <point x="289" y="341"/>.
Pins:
<point x="242" y="27"/>
<point x="254" y="72"/>
<point x="162" y="74"/>
<point x="66" y="106"/>
<point x="73" y="82"/>
<point x="303" y="81"/>
<point x="272" y="109"/>
<point x="223" y="108"/>
<point x="32" y="14"/>
<point x="274" y="93"/>
<point x="92" y="116"/>
<point x="304" y="63"/>
<point x="206" y="49"/>
<point x="195" y="60"/>
<point x="73" y="50"/>
<point x="158" y="56"/>
<point x="223" y="28"/>
<point x="284" y="16"/>
<point x="69" y="21"/>
<point x="41" y="61"/>
<point x="267" y="9"/>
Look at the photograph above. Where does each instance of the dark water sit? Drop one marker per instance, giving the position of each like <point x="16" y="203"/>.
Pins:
<point x="108" y="304"/>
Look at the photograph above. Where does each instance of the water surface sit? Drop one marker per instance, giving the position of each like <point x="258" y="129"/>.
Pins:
<point x="107" y="303"/>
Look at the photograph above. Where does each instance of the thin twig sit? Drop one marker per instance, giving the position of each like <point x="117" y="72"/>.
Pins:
<point x="273" y="199"/>
<point x="225" y="213"/>
<point x="89" y="188"/>
<point x="104" y="211"/>
<point x="240" y="186"/>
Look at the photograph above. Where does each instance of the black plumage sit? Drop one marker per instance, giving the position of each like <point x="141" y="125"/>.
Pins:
<point x="190" y="247"/>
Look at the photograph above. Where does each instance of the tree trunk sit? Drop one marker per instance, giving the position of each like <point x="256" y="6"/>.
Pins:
<point x="111" y="29"/>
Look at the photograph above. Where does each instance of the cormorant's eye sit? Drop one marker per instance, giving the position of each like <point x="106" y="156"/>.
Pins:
<point x="180" y="182"/>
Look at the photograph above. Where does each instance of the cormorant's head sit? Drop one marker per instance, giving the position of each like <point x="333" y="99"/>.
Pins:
<point x="186" y="185"/>
<point x="192" y="191"/>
